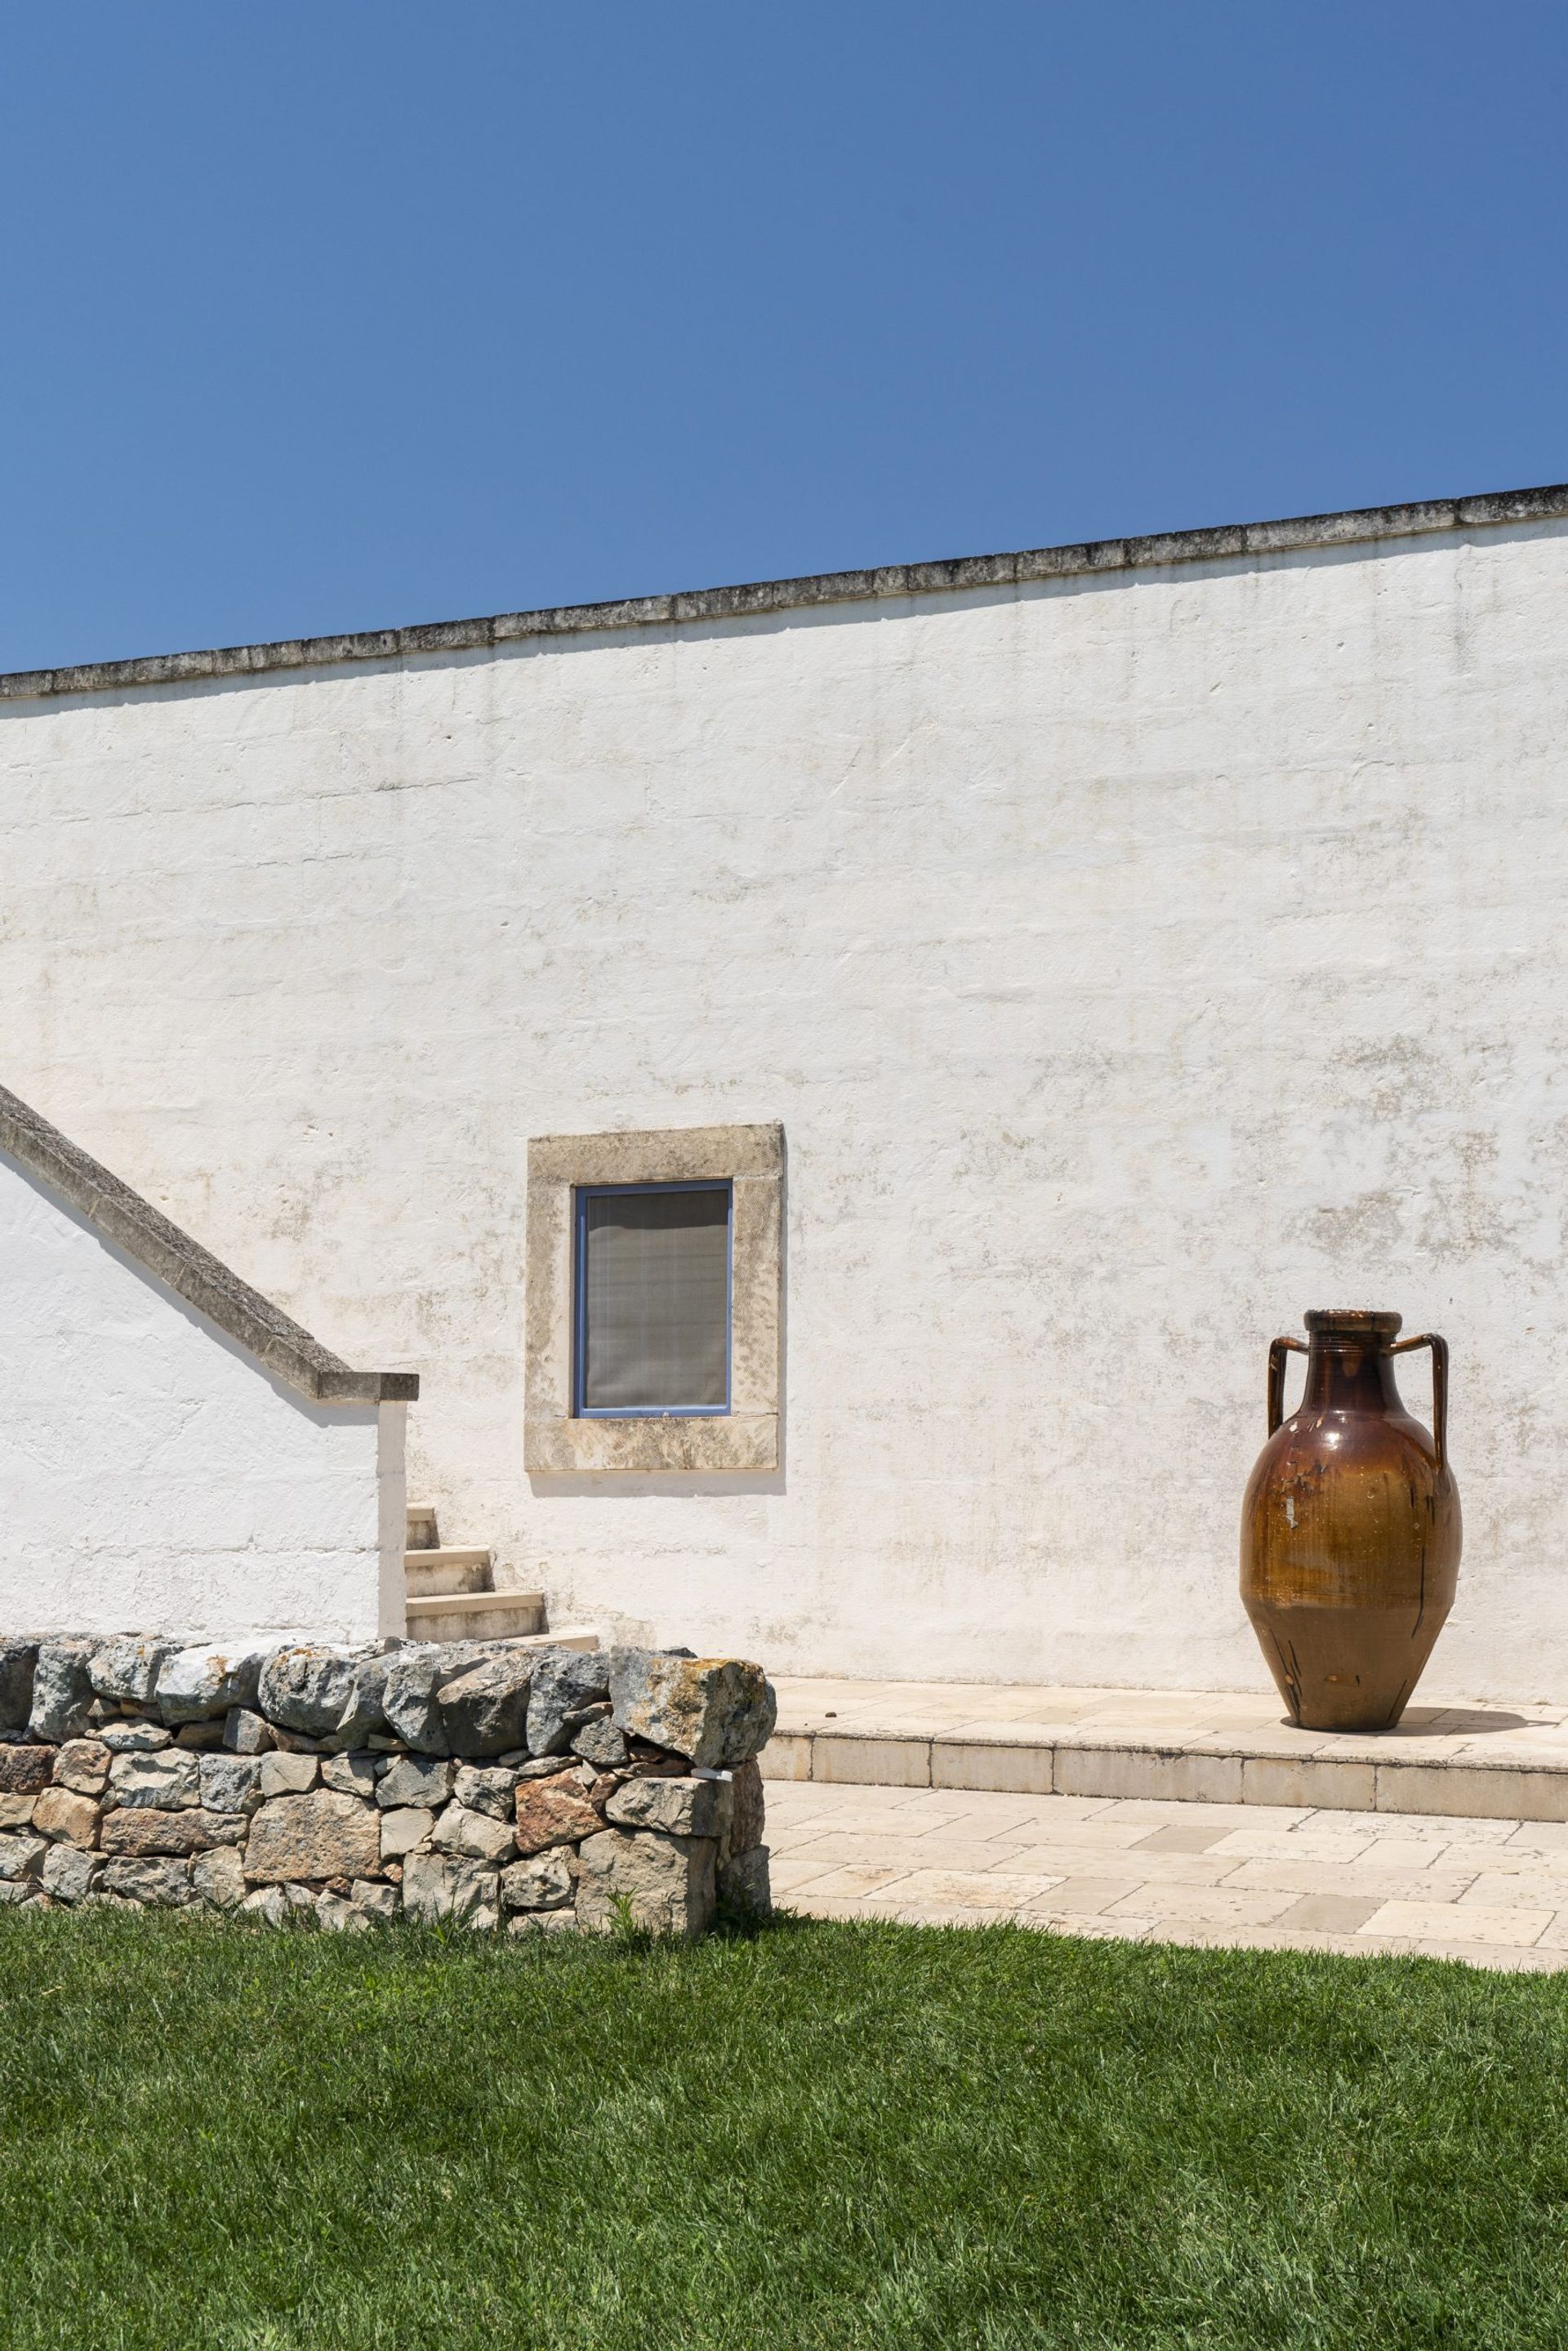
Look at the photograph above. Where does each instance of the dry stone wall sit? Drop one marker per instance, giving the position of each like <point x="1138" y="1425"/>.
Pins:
<point x="535" y="1790"/>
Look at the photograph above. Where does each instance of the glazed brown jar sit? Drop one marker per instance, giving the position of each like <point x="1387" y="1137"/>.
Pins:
<point x="1349" y="1531"/>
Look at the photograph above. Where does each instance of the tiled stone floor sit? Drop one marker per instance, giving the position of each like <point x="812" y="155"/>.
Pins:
<point x="1491" y="1891"/>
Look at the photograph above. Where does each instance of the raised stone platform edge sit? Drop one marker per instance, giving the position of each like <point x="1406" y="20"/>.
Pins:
<point x="1473" y="1762"/>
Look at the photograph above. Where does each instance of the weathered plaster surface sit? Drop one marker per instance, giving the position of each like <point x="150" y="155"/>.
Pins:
<point x="153" y="1474"/>
<point x="1134" y="959"/>
<point x="746" y="1437"/>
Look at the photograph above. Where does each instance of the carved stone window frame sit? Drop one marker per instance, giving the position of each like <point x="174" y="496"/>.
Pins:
<point x="746" y="1437"/>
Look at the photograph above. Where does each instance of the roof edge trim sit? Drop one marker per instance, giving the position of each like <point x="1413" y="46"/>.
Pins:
<point x="1354" y="528"/>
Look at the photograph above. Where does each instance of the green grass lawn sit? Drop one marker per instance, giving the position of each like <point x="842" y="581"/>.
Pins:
<point x="829" y="2136"/>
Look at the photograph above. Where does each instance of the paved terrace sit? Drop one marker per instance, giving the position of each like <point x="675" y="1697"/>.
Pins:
<point x="1174" y="1816"/>
<point x="1494" y="1892"/>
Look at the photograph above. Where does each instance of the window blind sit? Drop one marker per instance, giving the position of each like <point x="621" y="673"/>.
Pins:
<point x="655" y="1294"/>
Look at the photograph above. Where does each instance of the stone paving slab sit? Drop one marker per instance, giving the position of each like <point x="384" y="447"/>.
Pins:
<point x="1448" y="1758"/>
<point x="1486" y="1891"/>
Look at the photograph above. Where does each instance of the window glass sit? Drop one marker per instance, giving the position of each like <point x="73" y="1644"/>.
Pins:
<point x="653" y="1299"/>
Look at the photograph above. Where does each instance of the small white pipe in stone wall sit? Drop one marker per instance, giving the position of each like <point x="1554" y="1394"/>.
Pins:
<point x="545" y="1790"/>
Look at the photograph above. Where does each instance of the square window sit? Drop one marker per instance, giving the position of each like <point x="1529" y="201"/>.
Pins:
<point x="653" y="1294"/>
<point x="653" y="1316"/>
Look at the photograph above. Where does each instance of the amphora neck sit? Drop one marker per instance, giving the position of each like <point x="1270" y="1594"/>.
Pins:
<point x="1349" y="1368"/>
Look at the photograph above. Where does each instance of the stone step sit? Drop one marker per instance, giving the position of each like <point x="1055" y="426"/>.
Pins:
<point x="1464" y="1760"/>
<point x="421" y="1527"/>
<point x="564" y="1636"/>
<point x="481" y="1616"/>
<point x="429" y="1572"/>
<point x="489" y="1623"/>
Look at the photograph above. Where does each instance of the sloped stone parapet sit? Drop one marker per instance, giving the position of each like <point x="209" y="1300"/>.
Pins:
<point x="486" y="1784"/>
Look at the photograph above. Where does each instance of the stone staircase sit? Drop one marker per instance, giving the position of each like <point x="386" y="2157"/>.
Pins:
<point x="451" y="1596"/>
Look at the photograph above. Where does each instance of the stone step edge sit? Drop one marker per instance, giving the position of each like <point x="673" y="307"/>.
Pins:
<point x="563" y="1636"/>
<point x="447" y="1556"/>
<point x="462" y="1603"/>
<point x="1215" y="1770"/>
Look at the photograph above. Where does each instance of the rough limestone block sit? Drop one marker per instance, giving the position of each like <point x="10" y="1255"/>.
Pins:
<point x="21" y="1856"/>
<point x="485" y="1708"/>
<point x="488" y="1788"/>
<point x="162" y="1884"/>
<point x="566" y="1683"/>
<point x="413" y="1780"/>
<point x="82" y="1764"/>
<point x="197" y="1684"/>
<point x="744" y="1885"/>
<point x="16" y="1812"/>
<point x="543" y="1883"/>
<point x="698" y="1808"/>
<point x="133" y="1738"/>
<point x="288" y="1775"/>
<point x="553" y="1812"/>
<point x="409" y="1700"/>
<point x="70" y="1874"/>
<point x="62" y="1691"/>
<point x="476" y="1835"/>
<point x="599" y="1741"/>
<point x="326" y="1692"/>
<point x="408" y="1831"/>
<point x="321" y="1835"/>
<point x="436" y="1888"/>
<point x="748" y="1823"/>
<point x="230" y="1783"/>
<point x="138" y="1830"/>
<point x="127" y="1669"/>
<point x="270" y="1907"/>
<point x="543" y="1922"/>
<point x="715" y="1711"/>
<point x="351" y="1775"/>
<point x="246" y="1733"/>
<point x="58" y="1813"/>
<point x="664" y="1885"/>
<point x="168" y="1782"/>
<point x="217" y="1878"/>
<point x="377" y="1905"/>
<point x="202" y="1737"/>
<point x="25" y="1770"/>
<point x="17" y="1661"/>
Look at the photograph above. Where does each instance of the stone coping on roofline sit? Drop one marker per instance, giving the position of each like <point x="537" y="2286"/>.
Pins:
<point x="121" y="1215"/>
<point x="1357" y="527"/>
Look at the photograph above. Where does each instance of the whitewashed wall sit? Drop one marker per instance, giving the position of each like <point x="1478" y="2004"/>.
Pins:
<point x="1133" y="962"/>
<point x="153" y="1477"/>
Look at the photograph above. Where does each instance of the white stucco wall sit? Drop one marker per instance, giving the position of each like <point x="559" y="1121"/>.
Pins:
<point x="154" y="1478"/>
<point x="1133" y="962"/>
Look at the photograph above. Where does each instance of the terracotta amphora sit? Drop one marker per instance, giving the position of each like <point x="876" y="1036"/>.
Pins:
<point x="1349" y="1531"/>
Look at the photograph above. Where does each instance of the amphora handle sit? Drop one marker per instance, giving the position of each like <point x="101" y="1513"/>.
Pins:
<point x="1440" y="1387"/>
<point x="1278" y="1351"/>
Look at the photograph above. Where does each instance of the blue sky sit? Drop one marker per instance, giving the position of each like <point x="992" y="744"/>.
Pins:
<point x="334" y="316"/>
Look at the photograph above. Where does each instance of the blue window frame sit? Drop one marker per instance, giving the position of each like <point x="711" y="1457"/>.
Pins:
<point x="653" y="1287"/>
